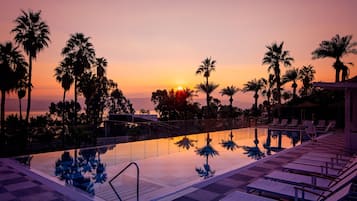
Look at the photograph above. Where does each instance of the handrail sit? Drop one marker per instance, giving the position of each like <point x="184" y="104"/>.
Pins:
<point x="137" y="180"/>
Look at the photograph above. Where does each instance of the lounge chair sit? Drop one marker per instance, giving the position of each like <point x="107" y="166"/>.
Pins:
<point x="321" y="124"/>
<point x="298" y="179"/>
<point x="275" y="122"/>
<point x="242" y="196"/>
<point x="336" y="190"/>
<point x="293" y="124"/>
<point x="310" y="131"/>
<point x="283" y="123"/>
<point x="328" y="128"/>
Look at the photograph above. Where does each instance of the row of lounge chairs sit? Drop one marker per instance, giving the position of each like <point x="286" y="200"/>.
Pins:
<point x="294" y="123"/>
<point x="313" y="176"/>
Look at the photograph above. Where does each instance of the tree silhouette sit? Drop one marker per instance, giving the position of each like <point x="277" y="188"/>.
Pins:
<point x="273" y="57"/>
<point x="267" y="91"/>
<point x="230" y="91"/>
<point x="336" y="48"/>
<point x="255" y="86"/>
<point x="207" y="66"/>
<point x="207" y="88"/>
<point x="306" y="75"/>
<point x="80" y="51"/>
<point x="292" y="76"/>
<point x="13" y="68"/>
<point x="32" y="33"/>
<point x="64" y="76"/>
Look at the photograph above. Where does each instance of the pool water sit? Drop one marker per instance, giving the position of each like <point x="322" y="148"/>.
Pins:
<point x="166" y="165"/>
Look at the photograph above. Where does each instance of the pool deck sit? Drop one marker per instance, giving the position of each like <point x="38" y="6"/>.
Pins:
<point x="18" y="183"/>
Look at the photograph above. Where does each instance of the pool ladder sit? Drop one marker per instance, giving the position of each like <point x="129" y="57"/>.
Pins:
<point x="137" y="180"/>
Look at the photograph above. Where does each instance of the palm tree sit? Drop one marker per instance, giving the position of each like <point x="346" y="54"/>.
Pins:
<point x="273" y="57"/>
<point x="267" y="91"/>
<point x="255" y="86"/>
<point x="336" y="48"/>
<point x="32" y="33"/>
<point x="207" y="88"/>
<point x="306" y="75"/>
<point x="292" y="76"/>
<point x="81" y="52"/>
<point x="207" y="66"/>
<point x="22" y="75"/>
<point x="64" y="76"/>
<point x="230" y="91"/>
<point x="12" y="63"/>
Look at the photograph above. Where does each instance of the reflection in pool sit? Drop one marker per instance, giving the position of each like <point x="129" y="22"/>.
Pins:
<point x="166" y="165"/>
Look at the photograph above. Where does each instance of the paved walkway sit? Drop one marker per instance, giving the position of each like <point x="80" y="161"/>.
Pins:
<point x="18" y="183"/>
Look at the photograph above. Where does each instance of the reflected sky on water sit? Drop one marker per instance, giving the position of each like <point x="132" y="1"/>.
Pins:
<point x="166" y="165"/>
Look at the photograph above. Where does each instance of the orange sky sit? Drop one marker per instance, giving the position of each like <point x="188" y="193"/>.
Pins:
<point x="153" y="45"/>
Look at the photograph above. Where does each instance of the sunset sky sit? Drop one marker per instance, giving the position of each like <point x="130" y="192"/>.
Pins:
<point x="153" y="45"/>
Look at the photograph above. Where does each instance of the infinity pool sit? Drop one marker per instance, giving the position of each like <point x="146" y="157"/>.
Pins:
<point x="166" y="165"/>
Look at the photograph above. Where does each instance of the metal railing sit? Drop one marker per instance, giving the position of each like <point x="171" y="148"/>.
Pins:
<point x="137" y="180"/>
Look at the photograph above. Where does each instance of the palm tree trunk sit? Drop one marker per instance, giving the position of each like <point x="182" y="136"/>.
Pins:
<point x="29" y="90"/>
<point x="75" y="101"/>
<point x="207" y="99"/>
<point x="63" y="111"/>
<point x="231" y="106"/>
<point x="20" y="108"/>
<point x="2" y="131"/>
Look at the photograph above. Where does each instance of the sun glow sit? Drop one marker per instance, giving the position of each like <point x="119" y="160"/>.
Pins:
<point x="179" y="88"/>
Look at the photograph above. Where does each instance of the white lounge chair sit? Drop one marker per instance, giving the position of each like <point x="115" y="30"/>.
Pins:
<point x="298" y="179"/>
<point x="242" y="196"/>
<point x="336" y="190"/>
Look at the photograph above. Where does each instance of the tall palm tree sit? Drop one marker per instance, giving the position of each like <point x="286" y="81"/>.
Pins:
<point x="292" y="76"/>
<point x="306" y="75"/>
<point x="32" y="33"/>
<point x="230" y="91"/>
<point x="273" y="57"/>
<point x="22" y="75"/>
<point x="336" y="48"/>
<point x="255" y="86"/>
<point x="82" y="55"/>
<point x="64" y="76"/>
<point x="267" y="91"/>
<point x="12" y="63"/>
<point x="207" y="66"/>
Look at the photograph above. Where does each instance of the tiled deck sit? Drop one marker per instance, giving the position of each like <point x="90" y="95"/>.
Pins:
<point x="18" y="183"/>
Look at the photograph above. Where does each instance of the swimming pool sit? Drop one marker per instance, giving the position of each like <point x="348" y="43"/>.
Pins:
<point x="166" y="165"/>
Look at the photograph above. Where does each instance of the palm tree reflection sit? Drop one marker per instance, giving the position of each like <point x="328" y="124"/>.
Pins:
<point x="206" y="151"/>
<point x="185" y="142"/>
<point x="229" y="144"/>
<point x="254" y="152"/>
<point x="82" y="171"/>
